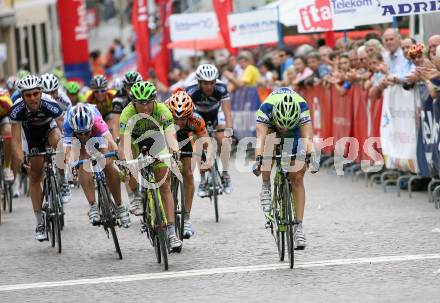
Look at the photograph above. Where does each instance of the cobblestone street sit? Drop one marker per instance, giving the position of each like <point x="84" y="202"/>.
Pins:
<point x="363" y="246"/>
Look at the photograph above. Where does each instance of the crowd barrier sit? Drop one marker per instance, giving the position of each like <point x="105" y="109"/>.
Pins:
<point x="402" y="126"/>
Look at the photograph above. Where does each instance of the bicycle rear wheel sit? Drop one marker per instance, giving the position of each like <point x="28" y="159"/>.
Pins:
<point x="160" y="232"/>
<point x="9" y="194"/>
<point x="289" y="223"/>
<point x="179" y="205"/>
<point x="108" y="216"/>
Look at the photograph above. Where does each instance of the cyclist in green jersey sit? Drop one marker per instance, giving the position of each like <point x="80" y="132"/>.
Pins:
<point x="146" y="122"/>
<point x="285" y="114"/>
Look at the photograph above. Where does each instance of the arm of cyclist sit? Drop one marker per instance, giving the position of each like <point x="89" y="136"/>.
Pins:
<point x="307" y="136"/>
<point x="17" y="151"/>
<point x="226" y="108"/>
<point x="262" y="130"/>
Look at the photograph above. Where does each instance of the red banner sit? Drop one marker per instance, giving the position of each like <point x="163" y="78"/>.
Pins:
<point x="139" y="19"/>
<point x="73" y="28"/>
<point x="223" y="8"/>
<point x="360" y="118"/>
<point x="162" y="60"/>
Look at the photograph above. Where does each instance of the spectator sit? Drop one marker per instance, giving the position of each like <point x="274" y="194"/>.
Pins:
<point x="302" y="72"/>
<point x="378" y="68"/>
<point x="397" y="64"/>
<point x="363" y="73"/>
<point x="96" y="63"/>
<point x="267" y="78"/>
<point x="250" y="76"/>
<point x="433" y="42"/>
<point x="286" y="60"/>
<point x="119" y="51"/>
<point x="320" y="70"/>
<point x="374" y="46"/>
<point x="324" y="53"/>
<point x="339" y="77"/>
<point x="354" y="60"/>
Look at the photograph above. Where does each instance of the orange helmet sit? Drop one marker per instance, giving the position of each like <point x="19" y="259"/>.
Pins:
<point x="180" y="104"/>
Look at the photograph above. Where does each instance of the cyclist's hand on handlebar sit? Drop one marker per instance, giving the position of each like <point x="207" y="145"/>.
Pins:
<point x="124" y="173"/>
<point x="229" y="132"/>
<point x="205" y="166"/>
<point x="26" y="164"/>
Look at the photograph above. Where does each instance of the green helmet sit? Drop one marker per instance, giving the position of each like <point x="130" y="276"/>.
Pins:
<point x="131" y="78"/>
<point x="143" y="91"/>
<point x="22" y="73"/>
<point x="72" y="87"/>
<point x="58" y="72"/>
<point x="286" y="111"/>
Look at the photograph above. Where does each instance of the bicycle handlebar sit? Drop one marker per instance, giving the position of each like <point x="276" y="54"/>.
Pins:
<point x="78" y="163"/>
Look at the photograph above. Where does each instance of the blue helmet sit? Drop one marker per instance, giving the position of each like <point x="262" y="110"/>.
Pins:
<point x="81" y="118"/>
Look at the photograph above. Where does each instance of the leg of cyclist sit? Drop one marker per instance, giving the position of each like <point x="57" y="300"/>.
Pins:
<point x="35" y="178"/>
<point x="161" y="175"/>
<point x="297" y="182"/>
<point x="224" y="145"/>
<point x="188" y="180"/>
<point x="5" y="129"/>
<point x="88" y="186"/>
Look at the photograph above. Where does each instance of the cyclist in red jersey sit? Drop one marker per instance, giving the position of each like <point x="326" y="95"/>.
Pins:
<point x="188" y="123"/>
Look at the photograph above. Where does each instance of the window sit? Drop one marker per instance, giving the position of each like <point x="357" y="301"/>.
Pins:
<point x="35" y="47"/>
<point x="44" y="43"/>
<point x="17" y="47"/>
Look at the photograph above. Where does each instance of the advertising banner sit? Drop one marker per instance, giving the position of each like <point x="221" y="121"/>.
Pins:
<point x="139" y="19"/>
<point x="245" y="103"/>
<point x="253" y="28"/>
<point x="197" y="26"/>
<point x="398" y="128"/>
<point x="392" y="8"/>
<point x="74" y="39"/>
<point x="327" y="15"/>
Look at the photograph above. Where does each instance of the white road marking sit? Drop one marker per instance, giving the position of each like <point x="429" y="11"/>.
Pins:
<point x="214" y="271"/>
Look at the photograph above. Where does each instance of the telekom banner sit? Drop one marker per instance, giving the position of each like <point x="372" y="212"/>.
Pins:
<point x="74" y="39"/>
<point x="327" y="15"/>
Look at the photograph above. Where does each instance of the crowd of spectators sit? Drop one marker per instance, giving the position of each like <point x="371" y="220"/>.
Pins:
<point x="375" y="63"/>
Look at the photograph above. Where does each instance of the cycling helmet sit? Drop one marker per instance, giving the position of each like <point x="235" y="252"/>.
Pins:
<point x="98" y="82"/>
<point x="180" y="104"/>
<point x="131" y="78"/>
<point x="286" y="111"/>
<point x="57" y="72"/>
<point x="29" y="82"/>
<point x="81" y="118"/>
<point x="11" y="83"/>
<point x="49" y="83"/>
<point x="143" y="91"/>
<point x="22" y="73"/>
<point x="118" y="84"/>
<point x="72" y="88"/>
<point x="206" y="72"/>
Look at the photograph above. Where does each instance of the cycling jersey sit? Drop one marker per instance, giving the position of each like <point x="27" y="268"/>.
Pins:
<point x="5" y="106"/>
<point x="194" y="124"/>
<point x="99" y="128"/>
<point x="63" y="100"/>
<point x="203" y="103"/>
<point x="147" y="131"/>
<point x="265" y="116"/>
<point x="36" y="124"/>
<point x="105" y="107"/>
<point x="120" y="101"/>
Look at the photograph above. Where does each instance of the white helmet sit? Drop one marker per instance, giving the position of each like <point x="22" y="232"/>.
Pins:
<point x="29" y="82"/>
<point x="50" y="83"/>
<point x="206" y="72"/>
<point x="81" y="118"/>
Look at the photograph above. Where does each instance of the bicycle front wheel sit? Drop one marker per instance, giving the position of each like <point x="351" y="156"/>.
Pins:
<point x="179" y="205"/>
<point x="160" y="232"/>
<point x="108" y="216"/>
<point x="289" y="223"/>
<point x="56" y="222"/>
<point x="277" y="217"/>
<point x="215" y="185"/>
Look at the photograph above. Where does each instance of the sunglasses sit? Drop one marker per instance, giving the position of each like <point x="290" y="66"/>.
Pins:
<point x="99" y="91"/>
<point x="145" y="101"/>
<point x="29" y="95"/>
<point x="83" y="133"/>
<point x="207" y="82"/>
